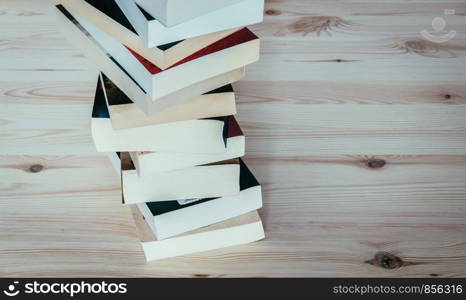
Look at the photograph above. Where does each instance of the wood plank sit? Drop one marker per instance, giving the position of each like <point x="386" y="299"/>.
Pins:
<point x="286" y="125"/>
<point x="324" y="92"/>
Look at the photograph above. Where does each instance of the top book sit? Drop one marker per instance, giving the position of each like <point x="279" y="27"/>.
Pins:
<point x="174" y="12"/>
<point x="154" y="33"/>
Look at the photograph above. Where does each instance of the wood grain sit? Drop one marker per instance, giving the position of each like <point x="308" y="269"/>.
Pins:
<point x="355" y="125"/>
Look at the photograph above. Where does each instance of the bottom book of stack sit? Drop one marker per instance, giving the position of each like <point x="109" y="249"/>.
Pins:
<point x="240" y="230"/>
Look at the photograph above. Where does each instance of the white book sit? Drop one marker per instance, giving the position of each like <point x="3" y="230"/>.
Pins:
<point x="171" y="218"/>
<point x="240" y="230"/>
<point x="194" y="136"/>
<point x="158" y="83"/>
<point x="207" y="181"/>
<point x="154" y="33"/>
<point x="124" y="113"/>
<point x="157" y="162"/>
<point x="173" y="12"/>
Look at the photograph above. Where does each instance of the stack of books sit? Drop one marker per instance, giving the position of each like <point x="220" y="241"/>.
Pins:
<point x="163" y="112"/>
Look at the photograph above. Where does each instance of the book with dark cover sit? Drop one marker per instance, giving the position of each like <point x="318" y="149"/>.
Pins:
<point x="239" y="37"/>
<point x="233" y="128"/>
<point x="247" y="180"/>
<point x="100" y="109"/>
<point x="115" y="96"/>
<point x="112" y="10"/>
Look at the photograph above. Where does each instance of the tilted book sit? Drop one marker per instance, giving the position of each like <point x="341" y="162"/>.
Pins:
<point x="124" y="113"/>
<point x="234" y="51"/>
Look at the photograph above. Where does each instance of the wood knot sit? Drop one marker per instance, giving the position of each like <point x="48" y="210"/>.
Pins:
<point x="201" y="275"/>
<point x="36" y="168"/>
<point x="387" y="261"/>
<point x="428" y="49"/>
<point x="376" y="163"/>
<point x="317" y="24"/>
<point x="272" y="12"/>
<point x="417" y="45"/>
<point x="447" y="96"/>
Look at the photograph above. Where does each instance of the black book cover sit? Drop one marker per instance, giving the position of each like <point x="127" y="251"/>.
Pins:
<point x="112" y="10"/>
<point x="100" y="109"/>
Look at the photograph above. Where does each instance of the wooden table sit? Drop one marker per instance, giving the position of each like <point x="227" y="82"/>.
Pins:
<point x="356" y="126"/>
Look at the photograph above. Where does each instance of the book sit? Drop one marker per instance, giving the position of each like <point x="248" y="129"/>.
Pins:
<point x="154" y="33"/>
<point x="173" y="12"/>
<point x="124" y="113"/>
<point x="234" y="51"/>
<point x="108" y="17"/>
<point x="105" y="63"/>
<point x="240" y="230"/>
<point x="215" y="180"/>
<point x="193" y="136"/>
<point x="156" y="162"/>
<point x="170" y="218"/>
